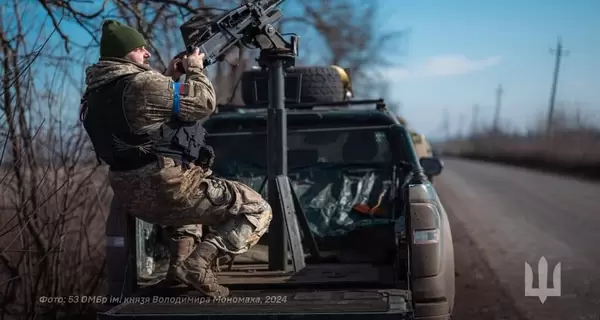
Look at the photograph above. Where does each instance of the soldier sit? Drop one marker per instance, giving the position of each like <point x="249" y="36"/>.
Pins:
<point x="147" y="128"/>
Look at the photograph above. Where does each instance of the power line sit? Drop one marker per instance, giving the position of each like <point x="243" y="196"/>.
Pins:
<point x="559" y="52"/>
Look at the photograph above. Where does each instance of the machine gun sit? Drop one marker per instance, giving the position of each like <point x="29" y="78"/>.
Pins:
<point x="250" y="25"/>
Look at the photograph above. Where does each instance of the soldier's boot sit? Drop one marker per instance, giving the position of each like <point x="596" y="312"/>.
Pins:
<point x="200" y="268"/>
<point x="180" y="249"/>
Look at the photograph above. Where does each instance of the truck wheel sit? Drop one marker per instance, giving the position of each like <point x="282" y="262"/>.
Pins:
<point x="316" y="84"/>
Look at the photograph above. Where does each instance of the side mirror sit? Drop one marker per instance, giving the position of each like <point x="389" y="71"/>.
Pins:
<point x="431" y="166"/>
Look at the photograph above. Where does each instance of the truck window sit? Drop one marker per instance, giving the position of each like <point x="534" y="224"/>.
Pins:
<point x="334" y="171"/>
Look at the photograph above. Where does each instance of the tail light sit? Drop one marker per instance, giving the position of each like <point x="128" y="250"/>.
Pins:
<point x="425" y="221"/>
<point x="426" y="236"/>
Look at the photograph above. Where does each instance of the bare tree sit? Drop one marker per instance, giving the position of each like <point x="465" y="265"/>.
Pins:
<point x="51" y="196"/>
<point x="349" y="31"/>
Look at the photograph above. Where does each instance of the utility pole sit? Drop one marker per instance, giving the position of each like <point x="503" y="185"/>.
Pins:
<point x="461" y="132"/>
<point x="499" y="93"/>
<point x="446" y="124"/>
<point x="559" y="52"/>
<point x="474" y="119"/>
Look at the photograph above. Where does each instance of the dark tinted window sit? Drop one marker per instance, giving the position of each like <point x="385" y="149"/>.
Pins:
<point x="306" y="148"/>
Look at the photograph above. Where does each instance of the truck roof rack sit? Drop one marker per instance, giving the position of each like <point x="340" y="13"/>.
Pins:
<point x="379" y="105"/>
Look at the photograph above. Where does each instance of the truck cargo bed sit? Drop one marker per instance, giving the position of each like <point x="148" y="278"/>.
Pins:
<point x="321" y="274"/>
<point x="271" y="304"/>
<point x="248" y="276"/>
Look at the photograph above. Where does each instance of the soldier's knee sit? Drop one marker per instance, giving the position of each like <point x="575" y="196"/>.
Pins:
<point x="262" y="220"/>
<point x="237" y="235"/>
<point x="267" y="213"/>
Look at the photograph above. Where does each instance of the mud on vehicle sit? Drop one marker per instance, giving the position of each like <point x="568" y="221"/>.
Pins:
<point x="376" y="237"/>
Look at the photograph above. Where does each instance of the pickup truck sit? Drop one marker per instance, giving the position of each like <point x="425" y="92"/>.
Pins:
<point x="375" y="236"/>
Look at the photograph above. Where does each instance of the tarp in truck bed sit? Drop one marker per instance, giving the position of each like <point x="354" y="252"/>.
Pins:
<point x="270" y="304"/>
<point x="328" y="193"/>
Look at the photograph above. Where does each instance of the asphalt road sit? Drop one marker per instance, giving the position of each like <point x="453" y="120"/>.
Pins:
<point x="501" y="217"/>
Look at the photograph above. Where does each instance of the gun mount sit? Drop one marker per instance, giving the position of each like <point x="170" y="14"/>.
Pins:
<point x="252" y="25"/>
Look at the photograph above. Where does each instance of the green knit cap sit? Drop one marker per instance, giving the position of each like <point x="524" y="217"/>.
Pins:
<point x="119" y="39"/>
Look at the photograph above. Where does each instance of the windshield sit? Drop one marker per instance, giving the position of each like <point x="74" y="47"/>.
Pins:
<point x="342" y="178"/>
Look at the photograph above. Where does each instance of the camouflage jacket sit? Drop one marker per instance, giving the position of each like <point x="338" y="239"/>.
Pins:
<point x="148" y="97"/>
<point x="147" y="101"/>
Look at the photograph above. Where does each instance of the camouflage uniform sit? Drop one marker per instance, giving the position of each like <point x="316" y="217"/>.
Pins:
<point x="187" y="231"/>
<point x="168" y="194"/>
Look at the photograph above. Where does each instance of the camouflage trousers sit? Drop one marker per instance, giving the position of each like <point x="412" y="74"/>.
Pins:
<point x="170" y="195"/>
<point x="188" y="230"/>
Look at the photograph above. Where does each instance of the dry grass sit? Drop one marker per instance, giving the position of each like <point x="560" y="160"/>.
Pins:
<point x="51" y="238"/>
<point x="571" y="148"/>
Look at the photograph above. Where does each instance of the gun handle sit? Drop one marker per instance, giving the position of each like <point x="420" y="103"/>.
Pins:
<point x="179" y="68"/>
<point x="189" y="50"/>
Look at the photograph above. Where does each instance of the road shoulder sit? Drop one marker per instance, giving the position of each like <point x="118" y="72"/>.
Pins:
<point x="479" y="293"/>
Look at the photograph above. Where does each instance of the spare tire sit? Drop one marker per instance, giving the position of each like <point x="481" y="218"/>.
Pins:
<point x="302" y="84"/>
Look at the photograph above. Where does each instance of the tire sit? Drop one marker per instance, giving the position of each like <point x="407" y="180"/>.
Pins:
<point x="302" y="84"/>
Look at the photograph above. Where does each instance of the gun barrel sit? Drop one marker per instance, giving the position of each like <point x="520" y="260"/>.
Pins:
<point x="273" y="4"/>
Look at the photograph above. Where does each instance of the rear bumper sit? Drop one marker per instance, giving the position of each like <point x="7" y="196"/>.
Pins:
<point x="298" y="316"/>
<point x="432" y="311"/>
<point x="373" y="304"/>
<point x="444" y="317"/>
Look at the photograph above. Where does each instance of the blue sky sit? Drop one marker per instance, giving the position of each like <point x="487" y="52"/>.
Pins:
<point x="457" y="52"/>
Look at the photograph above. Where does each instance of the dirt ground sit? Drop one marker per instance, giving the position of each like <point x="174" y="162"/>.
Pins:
<point x="479" y="295"/>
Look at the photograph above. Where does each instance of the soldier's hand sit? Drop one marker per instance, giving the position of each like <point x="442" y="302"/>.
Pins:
<point x="195" y="60"/>
<point x="172" y="70"/>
